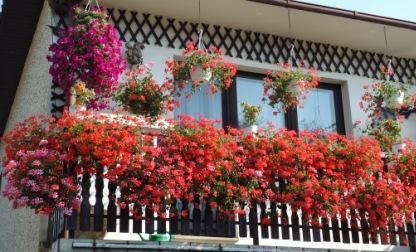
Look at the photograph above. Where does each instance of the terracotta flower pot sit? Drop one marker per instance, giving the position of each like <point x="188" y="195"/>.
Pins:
<point x="199" y="74"/>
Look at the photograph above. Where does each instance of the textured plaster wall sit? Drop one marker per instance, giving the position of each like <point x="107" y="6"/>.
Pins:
<point x="19" y="229"/>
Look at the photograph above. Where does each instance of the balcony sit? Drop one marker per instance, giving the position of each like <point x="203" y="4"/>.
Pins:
<point x="100" y="223"/>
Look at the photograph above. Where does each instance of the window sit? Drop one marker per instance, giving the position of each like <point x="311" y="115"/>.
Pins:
<point x="322" y="110"/>
<point x="249" y="89"/>
<point x="200" y="104"/>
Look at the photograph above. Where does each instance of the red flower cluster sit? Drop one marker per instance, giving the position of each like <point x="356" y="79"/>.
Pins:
<point x="222" y="72"/>
<point x="36" y="169"/>
<point x="285" y="89"/>
<point x="141" y="95"/>
<point x="322" y="175"/>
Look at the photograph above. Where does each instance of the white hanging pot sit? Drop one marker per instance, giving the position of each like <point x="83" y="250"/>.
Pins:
<point x="397" y="100"/>
<point x="199" y="74"/>
<point x="252" y="129"/>
<point x="296" y="87"/>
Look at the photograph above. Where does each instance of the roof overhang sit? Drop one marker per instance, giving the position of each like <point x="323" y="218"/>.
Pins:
<point x="309" y="22"/>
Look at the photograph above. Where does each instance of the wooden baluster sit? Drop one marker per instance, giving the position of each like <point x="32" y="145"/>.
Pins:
<point x="112" y="207"/>
<point x="222" y="227"/>
<point x="295" y="226"/>
<point x="306" y="227"/>
<point x="150" y="224"/>
<point x="72" y="220"/>
<point x="124" y="219"/>
<point x="263" y="215"/>
<point x="364" y="228"/>
<point x="411" y="236"/>
<point x="161" y="224"/>
<point x="208" y="220"/>
<point x="137" y="223"/>
<point x="335" y="229"/>
<point x="231" y="221"/>
<point x="197" y="216"/>
<point x="402" y="236"/>
<point x="354" y="227"/>
<point x="99" y="206"/>
<point x="185" y="217"/>
<point x="242" y="222"/>
<point x="345" y="231"/>
<point x="316" y="231"/>
<point x="285" y="223"/>
<point x="85" y="204"/>
<point x="275" y="221"/>
<point x="392" y="233"/>
<point x="173" y="219"/>
<point x="254" y="224"/>
<point x="325" y="230"/>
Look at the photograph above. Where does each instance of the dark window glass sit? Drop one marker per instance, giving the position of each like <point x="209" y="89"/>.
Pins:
<point x="318" y="111"/>
<point x="200" y="104"/>
<point x="321" y="111"/>
<point x="251" y="90"/>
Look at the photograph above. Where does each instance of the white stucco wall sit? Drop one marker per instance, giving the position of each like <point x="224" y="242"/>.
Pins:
<point x="19" y="229"/>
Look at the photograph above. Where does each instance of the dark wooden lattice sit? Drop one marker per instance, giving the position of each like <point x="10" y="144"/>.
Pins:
<point x="169" y="32"/>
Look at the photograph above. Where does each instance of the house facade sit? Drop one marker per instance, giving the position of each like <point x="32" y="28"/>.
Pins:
<point x="347" y="49"/>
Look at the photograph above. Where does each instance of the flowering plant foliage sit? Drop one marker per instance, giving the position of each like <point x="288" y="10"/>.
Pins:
<point x="387" y="132"/>
<point x="97" y="141"/>
<point x="384" y="101"/>
<point x="322" y="175"/>
<point x="385" y="96"/>
<point x="144" y="180"/>
<point x="141" y="95"/>
<point x="251" y="114"/>
<point x="35" y="169"/>
<point x="90" y="51"/>
<point x="284" y="89"/>
<point x="210" y="60"/>
<point x="81" y="93"/>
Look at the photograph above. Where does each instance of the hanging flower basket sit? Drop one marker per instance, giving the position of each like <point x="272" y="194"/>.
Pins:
<point x="89" y="51"/>
<point x="200" y="67"/>
<point x="285" y="89"/>
<point x="141" y="95"/>
<point x="79" y="96"/>
<point x="384" y="96"/>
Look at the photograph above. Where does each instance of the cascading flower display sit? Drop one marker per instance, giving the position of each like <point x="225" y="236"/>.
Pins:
<point x="323" y="175"/>
<point x="386" y="104"/>
<point x="216" y="72"/>
<point x="36" y="171"/>
<point x="90" y="51"/>
<point x="285" y="89"/>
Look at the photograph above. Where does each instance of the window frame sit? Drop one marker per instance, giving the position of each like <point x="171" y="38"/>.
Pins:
<point x="230" y="106"/>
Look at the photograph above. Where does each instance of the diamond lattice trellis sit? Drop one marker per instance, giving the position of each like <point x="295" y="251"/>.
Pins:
<point x="169" y="32"/>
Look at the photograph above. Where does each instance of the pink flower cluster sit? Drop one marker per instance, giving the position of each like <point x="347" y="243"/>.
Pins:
<point x="36" y="179"/>
<point x="90" y="51"/>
